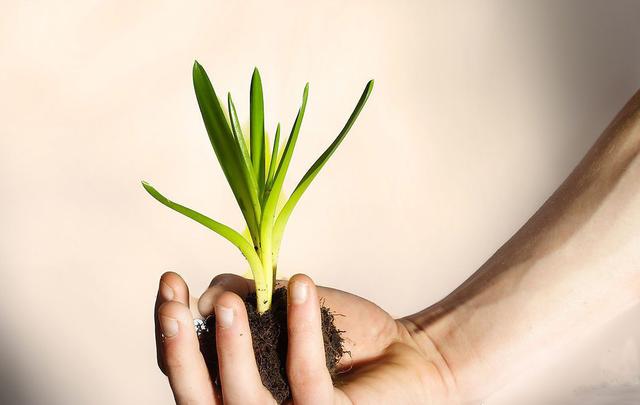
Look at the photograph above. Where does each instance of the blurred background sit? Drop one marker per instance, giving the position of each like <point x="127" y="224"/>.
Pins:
<point x="479" y="112"/>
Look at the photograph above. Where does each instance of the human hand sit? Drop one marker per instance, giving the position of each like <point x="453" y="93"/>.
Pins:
<point x="386" y="364"/>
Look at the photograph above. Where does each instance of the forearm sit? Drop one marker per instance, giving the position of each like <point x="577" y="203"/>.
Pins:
<point x="573" y="265"/>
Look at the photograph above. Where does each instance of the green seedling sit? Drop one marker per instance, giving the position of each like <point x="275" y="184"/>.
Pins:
<point x="256" y="174"/>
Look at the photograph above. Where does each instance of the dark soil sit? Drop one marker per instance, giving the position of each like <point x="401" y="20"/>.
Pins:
<point x="269" y="335"/>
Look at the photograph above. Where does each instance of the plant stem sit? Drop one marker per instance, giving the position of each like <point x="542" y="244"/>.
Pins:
<point x="266" y="257"/>
<point x="263" y="289"/>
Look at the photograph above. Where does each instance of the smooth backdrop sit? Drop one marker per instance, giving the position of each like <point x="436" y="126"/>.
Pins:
<point x="479" y="111"/>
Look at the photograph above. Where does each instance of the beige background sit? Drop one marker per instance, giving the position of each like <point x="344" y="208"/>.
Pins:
<point x="479" y="111"/>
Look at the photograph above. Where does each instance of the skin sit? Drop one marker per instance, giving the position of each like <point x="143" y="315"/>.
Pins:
<point x="381" y="348"/>
<point x="574" y="265"/>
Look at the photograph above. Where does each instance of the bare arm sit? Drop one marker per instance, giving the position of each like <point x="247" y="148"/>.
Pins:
<point x="574" y="265"/>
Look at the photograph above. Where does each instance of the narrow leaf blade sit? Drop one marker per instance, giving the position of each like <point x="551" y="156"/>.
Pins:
<point x="283" y="166"/>
<point x="226" y="149"/>
<point x="223" y="230"/>
<point x="237" y="132"/>
<point x="302" y="186"/>
<point x="256" y="105"/>
<point x="272" y="196"/>
<point x="273" y="162"/>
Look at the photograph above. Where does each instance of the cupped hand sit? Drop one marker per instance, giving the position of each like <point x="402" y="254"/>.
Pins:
<point x="387" y="364"/>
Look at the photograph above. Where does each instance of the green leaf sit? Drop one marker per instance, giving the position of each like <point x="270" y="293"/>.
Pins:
<point x="256" y="106"/>
<point x="286" y="211"/>
<point x="271" y="203"/>
<point x="267" y="155"/>
<point x="273" y="162"/>
<point x="223" y="230"/>
<point x="283" y="166"/>
<point x="237" y="133"/>
<point x="227" y="150"/>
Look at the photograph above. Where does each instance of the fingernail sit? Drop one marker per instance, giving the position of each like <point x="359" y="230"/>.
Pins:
<point x="166" y="292"/>
<point x="224" y="316"/>
<point x="299" y="292"/>
<point x="169" y="326"/>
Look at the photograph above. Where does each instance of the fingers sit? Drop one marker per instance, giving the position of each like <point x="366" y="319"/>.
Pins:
<point x="227" y="282"/>
<point x="221" y="283"/>
<point x="171" y="288"/>
<point x="239" y="377"/>
<point x="306" y="365"/>
<point x="184" y="365"/>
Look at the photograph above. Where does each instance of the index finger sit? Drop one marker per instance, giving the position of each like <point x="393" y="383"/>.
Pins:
<point x="170" y="288"/>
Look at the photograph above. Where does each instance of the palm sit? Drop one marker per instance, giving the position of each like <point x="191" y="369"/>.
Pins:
<point x="385" y="364"/>
<point x="383" y="357"/>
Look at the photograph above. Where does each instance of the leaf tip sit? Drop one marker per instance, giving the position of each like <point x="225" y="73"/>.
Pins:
<point x="149" y="188"/>
<point x="256" y="74"/>
<point x="305" y="93"/>
<point x="198" y="71"/>
<point x="368" y="89"/>
<point x="146" y="185"/>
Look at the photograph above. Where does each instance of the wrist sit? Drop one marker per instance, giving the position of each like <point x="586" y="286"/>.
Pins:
<point x="418" y="333"/>
<point x="440" y="334"/>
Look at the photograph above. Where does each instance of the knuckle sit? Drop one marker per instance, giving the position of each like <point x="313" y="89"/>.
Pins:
<point x="221" y="279"/>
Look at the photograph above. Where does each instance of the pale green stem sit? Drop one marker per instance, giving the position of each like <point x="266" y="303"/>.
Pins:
<point x="266" y="256"/>
<point x="261" y="282"/>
